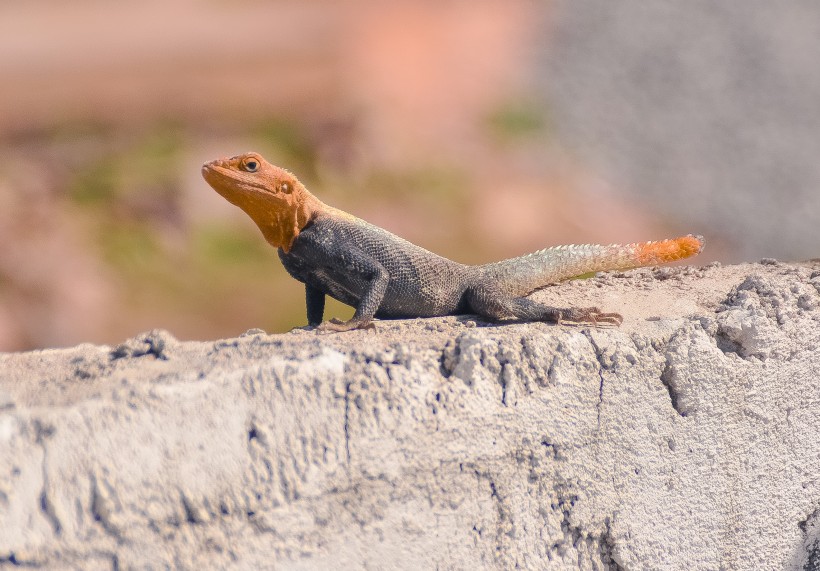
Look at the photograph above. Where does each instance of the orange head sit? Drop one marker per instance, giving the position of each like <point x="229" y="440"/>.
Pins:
<point x="274" y="199"/>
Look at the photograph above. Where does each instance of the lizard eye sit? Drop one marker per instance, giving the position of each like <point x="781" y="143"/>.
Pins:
<point x="286" y="188"/>
<point x="250" y="165"/>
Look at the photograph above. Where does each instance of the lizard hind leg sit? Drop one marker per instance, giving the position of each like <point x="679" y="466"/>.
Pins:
<point x="590" y="315"/>
<point x="529" y="310"/>
<point x="497" y="306"/>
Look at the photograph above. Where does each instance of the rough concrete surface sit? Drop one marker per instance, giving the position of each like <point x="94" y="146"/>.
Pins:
<point x="686" y="439"/>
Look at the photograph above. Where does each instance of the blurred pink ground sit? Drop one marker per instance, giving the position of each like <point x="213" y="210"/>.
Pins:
<point x="397" y="87"/>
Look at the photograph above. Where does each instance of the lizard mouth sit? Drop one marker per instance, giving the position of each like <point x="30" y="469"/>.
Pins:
<point x="226" y="180"/>
<point x="212" y="168"/>
<point x="219" y="178"/>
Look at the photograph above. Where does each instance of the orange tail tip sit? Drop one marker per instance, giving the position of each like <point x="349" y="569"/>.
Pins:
<point x="651" y="253"/>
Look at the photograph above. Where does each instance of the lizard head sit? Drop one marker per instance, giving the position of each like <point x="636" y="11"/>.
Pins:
<point x="274" y="199"/>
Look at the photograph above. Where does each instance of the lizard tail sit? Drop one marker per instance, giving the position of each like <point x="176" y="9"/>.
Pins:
<point x="525" y="274"/>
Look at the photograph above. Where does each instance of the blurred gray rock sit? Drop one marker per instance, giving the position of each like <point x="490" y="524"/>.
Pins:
<point x="708" y="110"/>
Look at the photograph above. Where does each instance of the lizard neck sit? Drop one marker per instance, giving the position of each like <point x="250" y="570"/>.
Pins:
<point x="282" y="219"/>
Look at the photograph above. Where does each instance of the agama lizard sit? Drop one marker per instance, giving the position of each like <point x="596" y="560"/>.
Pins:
<point x="381" y="275"/>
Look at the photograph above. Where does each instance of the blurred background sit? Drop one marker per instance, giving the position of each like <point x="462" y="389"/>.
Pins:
<point x="479" y="130"/>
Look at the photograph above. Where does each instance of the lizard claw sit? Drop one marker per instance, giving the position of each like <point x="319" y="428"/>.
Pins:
<point x="338" y="326"/>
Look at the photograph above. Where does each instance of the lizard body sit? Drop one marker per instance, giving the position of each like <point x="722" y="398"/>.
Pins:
<point x="382" y="275"/>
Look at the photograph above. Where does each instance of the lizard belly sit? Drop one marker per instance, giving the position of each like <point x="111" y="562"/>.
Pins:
<point x="417" y="297"/>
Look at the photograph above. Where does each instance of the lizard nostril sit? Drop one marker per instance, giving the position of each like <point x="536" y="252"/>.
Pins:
<point x="208" y="168"/>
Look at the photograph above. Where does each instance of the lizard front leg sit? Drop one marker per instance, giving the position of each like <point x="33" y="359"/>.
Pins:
<point x="377" y="279"/>
<point x="315" y="301"/>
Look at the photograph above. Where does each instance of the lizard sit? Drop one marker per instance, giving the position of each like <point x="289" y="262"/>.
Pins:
<point x="384" y="276"/>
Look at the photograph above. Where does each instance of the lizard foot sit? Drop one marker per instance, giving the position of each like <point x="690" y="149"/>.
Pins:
<point x="338" y="326"/>
<point x="591" y="315"/>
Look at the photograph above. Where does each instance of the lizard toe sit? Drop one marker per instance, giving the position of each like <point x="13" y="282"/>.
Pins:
<point x="338" y="326"/>
<point x="614" y="319"/>
<point x="590" y="315"/>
